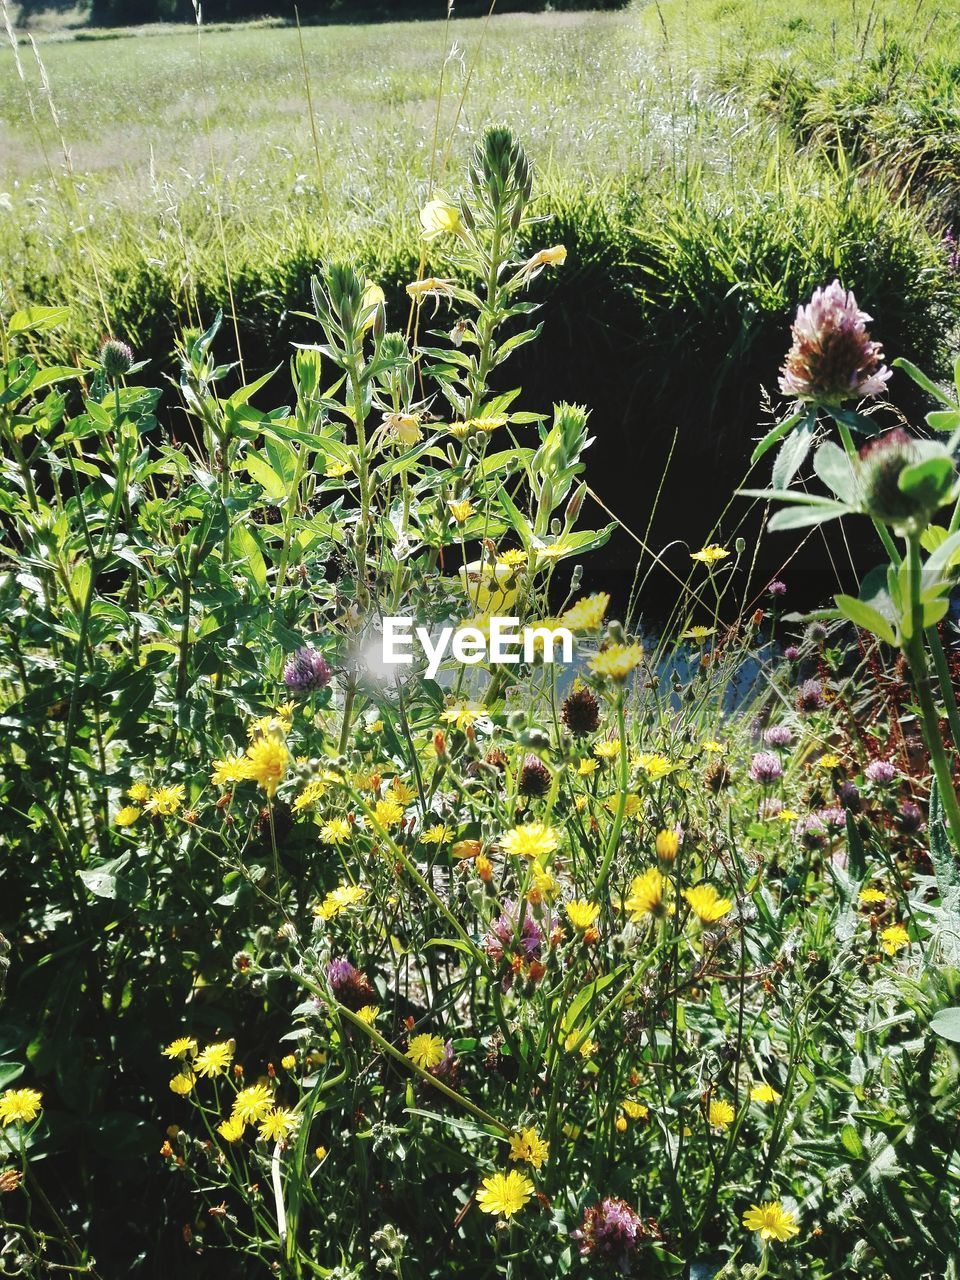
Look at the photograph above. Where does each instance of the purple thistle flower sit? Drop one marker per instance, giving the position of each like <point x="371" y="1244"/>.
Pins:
<point x="611" y="1234"/>
<point x="306" y="670"/>
<point x="778" y="735"/>
<point x="500" y="935"/>
<point x="832" y="358"/>
<point x="791" y="653"/>
<point x="833" y="817"/>
<point x="810" y="696"/>
<point x="777" y="589"/>
<point x="765" y="768"/>
<point x="880" y="772"/>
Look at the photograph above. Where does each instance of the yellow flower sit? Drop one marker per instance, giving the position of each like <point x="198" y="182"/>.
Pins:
<point x="646" y="895"/>
<point x="388" y="813"/>
<point x="214" y="1059"/>
<point x="311" y="794"/>
<point x="504" y="1194"/>
<point x="368" y="1014"/>
<point x="165" y="801"/>
<point x="339" y="899"/>
<point x="512" y="559"/>
<point x="828" y="761"/>
<point x="870" y="895"/>
<point x="426" y="1051"/>
<point x="487" y="423"/>
<point x="764" y="1092"/>
<point x="321" y="1153"/>
<point x="127" y="816"/>
<point x="405" y="426"/>
<point x="435" y="285"/>
<point x="706" y="904"/>
<point x="631" y="805"/>
<point x="334" y="469"/>
<point x="139" y="793"/>
<point x="894" y="938"/>
<point x="655" y="766"/>
<point x="275" y="1126"/>
<point x="710" y="554"/>
<point x="699" y="634"/>
<point x="181" y="1047"/>
<point x="19" y="1106"/>
<point x="335" y="831"/>
<point x="587" y="614"/>
<point x="229" y="770"/>
<point x="267" y="760"/>
<point x="586" y="767"/>
<point x="616" y="661"/>
<point x="401" y="791"/>
<point x="439" y="833"/>
<point x="231" y="1129"/>
<point x="555" y="256"/>
<point x="288" y="1062"/>
<point x="252" y="1104"/>
<point x="461" y="714"/>
<point x="532" y="840"/>
<point x="635" y="1110"/>
<point x="373" y="296"/>
<point x="461" y="511"/>
<point x="607" y="750"/>
<point x="182" y="1082"/>
<point x="721" y="1114"/>
<point x="713" y="746"/>
<point x="439" y="217"/>
<point x="529" y="1147"/>
<point x="667" y="843"/>
<point x="581" y="913"/>
<point x="586" y="1049"/>
<point x="787" y="815"/>
<point x="545" y="885"/>
<point x="771" y="1220"/>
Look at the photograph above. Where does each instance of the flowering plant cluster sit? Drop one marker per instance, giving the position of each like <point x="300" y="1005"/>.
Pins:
<point x="643" y="966"/>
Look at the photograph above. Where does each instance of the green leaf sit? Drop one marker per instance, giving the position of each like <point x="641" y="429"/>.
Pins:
<point x="941" y="851"/>
<point x="773" y="435"/>
<point x="835" y="470"/>
<point x="851" y="1141"/>
<point x="858" y="863"/>
<point x="864" y="615"/>
<point x="944" y="419"/>
<point x="921" y="379"/>
<point x="36" y="319"/>
<point x="946" y="1024"/>
<point x="803" y="517"/>
<point x="265" y="476"/>
<point x="792" y="455"/>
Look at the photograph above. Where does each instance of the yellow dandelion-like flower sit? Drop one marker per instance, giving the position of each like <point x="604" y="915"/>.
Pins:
<point x="764" y="1093"/>
<point x="252" y="1104"/>
<point x="426" y="1051"/>
<point x="401" y="791"/>
<point x="20" y="1106"/>
<point x="545" y="885"/>
<point x="127" y="816"/>
<point x="635" y="1110"/>
<point x="894" y="938"/>
<point x="504" y="1194"/>
<point x="461" y="511"/>
<point x="288" y="1061"/>
<point x="214" y="1059"/>
<point x="388" y="813"/>
<point x="512" y="559"/>
<point x="165" y="801"/>
<point x="631" y="805"/>
<point x="487" y="423"/>
<point x="180" y="1047"/>
<point x="139" y="793"/>
<point x="646" y="895"/>
<point x="771" y="1220"/>
<point x="229" y="770"/>
<point x="311" y="795"/>
<point x="581" y="913"/>
<point x="698" y="634"/>
<point x="267" y="760"/>
<point x="531" y="840"/>
<point x="721" y="1114"/>
<point x="336" y="831"/>
<point x="787" y="815"/>
<point x="277" y="1124"/>
<point x="667" y="843"/>
<point x="828" y="761"/>
<point x="183" y="1082"/>
<point x="713" y="746"/>
<point x="706" y="904"/>
<point x="871" y="896"/>
<point x="616" y="661"/>
<point x="439" y="833"/>
<point x="461" y="714"/>
<point x="529" y="1148"/>
<point x="607" y="750"/>
<point x="587" y="614"/>
<point x="232" y="1129"/>
<point x="339" y="899"/>
<point x="586" y="767"/>
<point x="587" y="1048"/>
<point x="580" y="803"/>
<point x="368" y="1014"/>
<point x="711" y="554"/>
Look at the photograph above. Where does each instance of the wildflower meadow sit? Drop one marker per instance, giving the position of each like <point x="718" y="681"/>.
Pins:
<point x="381" y="898"/>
